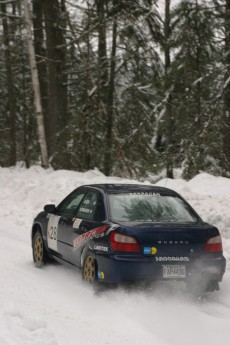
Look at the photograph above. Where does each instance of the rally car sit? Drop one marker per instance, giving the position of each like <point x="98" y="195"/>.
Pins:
<point x="127" y="233"/>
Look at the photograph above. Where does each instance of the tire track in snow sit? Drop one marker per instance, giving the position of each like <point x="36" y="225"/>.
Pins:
<point x="16" y="328"/>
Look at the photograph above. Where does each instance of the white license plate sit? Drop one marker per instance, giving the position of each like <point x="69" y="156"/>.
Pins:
<point x="174" y="271"/>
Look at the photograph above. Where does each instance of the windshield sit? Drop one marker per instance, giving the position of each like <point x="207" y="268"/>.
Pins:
<point x="151" y="207"/>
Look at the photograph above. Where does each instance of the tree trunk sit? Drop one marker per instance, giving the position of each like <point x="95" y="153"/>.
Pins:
<point x="10" y="86"/>
<point x="103" y="75"/>
<point x="28" y="128"/>
<point x="61" y="68"/>
<point x="168" y="107"/>
<point x="111" y="89"/>
<point x="40" y="56"/>
<point x="36" y="87"/>
<point x="52" y="119"/>
<point x="55" y="23"/>
<point x="226" y="118"/>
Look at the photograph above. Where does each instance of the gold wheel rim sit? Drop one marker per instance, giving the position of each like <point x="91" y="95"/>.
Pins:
<point x="89" y="270"/>
<point x="38" y="249"/>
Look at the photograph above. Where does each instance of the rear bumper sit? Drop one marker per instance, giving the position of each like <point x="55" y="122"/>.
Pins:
<point x="121" y="268"/>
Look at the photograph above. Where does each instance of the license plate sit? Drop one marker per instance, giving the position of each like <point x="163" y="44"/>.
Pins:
<point x="174" y="271"/>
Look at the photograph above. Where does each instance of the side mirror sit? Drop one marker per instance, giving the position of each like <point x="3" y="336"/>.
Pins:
<point x="51" y="208"/>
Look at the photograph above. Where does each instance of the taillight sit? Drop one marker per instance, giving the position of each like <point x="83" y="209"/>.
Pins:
<point x="124" y="243"/>
<point x="213" y="245"/>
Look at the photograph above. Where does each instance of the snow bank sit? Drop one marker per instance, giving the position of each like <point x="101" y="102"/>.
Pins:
<point x="24" y="192"/>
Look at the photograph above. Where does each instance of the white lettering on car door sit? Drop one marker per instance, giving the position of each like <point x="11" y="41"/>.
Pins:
<point x="52" y="231"/>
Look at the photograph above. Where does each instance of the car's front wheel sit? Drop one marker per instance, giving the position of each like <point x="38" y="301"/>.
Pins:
<point x="89" y="269"/>
<point x="39" y="253"/>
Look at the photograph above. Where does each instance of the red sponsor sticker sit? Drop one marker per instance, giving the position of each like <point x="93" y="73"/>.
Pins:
<point x="94" y="233"/>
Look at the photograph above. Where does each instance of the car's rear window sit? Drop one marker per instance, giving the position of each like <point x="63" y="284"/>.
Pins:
<point x="149" y="207"/>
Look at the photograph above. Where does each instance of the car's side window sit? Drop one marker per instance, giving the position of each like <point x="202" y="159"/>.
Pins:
<point x="88" y="206"/>
<point x="71" y="203"/>
<point x="100" y="213"/>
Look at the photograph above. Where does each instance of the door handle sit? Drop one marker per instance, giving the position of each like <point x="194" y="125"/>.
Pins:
<point x="81" y="230"/>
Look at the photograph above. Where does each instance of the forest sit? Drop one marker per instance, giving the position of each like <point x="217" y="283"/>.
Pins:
<point x="131" y="87"/>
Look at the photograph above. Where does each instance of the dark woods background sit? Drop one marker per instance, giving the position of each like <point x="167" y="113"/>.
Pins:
<point x="123" y="88"/>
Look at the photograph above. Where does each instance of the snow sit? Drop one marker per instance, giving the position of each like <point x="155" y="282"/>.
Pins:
<point x="51" y="306"/>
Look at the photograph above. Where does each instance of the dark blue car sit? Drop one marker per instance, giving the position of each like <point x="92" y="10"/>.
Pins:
<point x="128" y="233"/>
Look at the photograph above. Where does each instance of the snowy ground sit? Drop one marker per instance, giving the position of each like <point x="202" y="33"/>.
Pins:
<point x="51" y="306"/>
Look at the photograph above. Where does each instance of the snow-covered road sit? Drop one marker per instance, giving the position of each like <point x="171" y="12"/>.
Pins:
<point x="51" y="306"/>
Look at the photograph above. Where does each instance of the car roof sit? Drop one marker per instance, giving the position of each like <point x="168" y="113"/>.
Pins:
<point x="112" y="188"/>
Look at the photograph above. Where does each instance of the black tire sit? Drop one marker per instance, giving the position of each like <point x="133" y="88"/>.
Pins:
<point x="39" y="251"/>
<point x="89" y="269"/>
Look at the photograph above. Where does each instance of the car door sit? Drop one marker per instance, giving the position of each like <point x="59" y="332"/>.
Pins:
<point x="90" y="217"/>
<point x="81" y="212"/>
<point x="66" y="215"/>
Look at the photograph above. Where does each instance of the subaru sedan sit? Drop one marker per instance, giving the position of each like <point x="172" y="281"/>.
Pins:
<point x="119" y="233"/>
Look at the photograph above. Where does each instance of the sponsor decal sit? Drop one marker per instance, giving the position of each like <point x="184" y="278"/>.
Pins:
<point x="172" y="258"/>
<point x="76" y="223"/>
<point x="153" y="250"/>
<point x="101" y="248"/>
<point x="100" y="275"/>
<point x="150" y="250"/>
<point x="101" y="231"/>
<point x="145" y="193"/>
<point x="85" y="210"/>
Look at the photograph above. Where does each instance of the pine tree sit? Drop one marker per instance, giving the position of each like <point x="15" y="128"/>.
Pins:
<point x="226" y="115"/>
<point x="194" y="72"/>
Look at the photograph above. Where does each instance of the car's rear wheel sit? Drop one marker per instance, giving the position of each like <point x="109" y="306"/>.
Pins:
<point x="39" y="252"/>
<point x="89" y="271"/>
